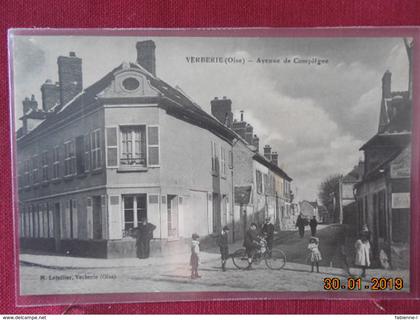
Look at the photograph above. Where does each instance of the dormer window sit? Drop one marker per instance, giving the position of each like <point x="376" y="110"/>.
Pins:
<point x="131" y="84"/>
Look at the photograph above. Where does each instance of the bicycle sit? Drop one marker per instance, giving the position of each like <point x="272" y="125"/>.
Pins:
<point x="274" y="259"/>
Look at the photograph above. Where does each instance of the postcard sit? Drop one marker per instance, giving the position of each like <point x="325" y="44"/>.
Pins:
<point x="156" y="162"/>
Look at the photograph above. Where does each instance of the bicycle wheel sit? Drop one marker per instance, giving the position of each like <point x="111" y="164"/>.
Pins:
<point x="240" y="259"/>
<point x="276" y="260"/>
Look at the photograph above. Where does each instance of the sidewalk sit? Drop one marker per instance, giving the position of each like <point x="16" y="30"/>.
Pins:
<point x="68" y="262"/>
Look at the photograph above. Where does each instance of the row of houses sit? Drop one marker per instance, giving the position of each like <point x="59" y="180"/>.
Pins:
<point x="376" y="192"/>
<point x="93" y="162"/>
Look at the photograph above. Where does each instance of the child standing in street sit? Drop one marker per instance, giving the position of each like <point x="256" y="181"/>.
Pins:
<point x="362" y="246"/>
<point x="223" y="243"/>
<point x="315" y="254"/>
<point x="195" y="256"/>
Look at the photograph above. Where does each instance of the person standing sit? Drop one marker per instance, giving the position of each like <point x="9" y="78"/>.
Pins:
<point x="362" y="245"/>
<point x="144" y="235"/>
<point x="268" y="232"/>
<point x="313" y="224"/>
<point x="251" y="243"/>
<point x="223" y="243"/>
<point x="300" y="224"/>
<point x="195" y="256"/>
<point x="315" y="254"/>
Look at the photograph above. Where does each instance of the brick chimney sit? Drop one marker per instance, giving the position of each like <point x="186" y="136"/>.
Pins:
<point x="386" y="85"/>
<point x="221" y="109"/>
<point x="275" y="158"/>
<point x="29" y="104"/>
<point x="267" y="152"/>
<point x="146" y="55"/>
<point x="249" y="133"/>
<point x="69" y="77"/>
<point x="239" y="127"/>
<point x="50" y="95"/>
<point x="256" y="142"/>
<point x="31" y="120"/>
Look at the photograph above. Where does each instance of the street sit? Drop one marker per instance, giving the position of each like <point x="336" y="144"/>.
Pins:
<point x="172" y="273"/>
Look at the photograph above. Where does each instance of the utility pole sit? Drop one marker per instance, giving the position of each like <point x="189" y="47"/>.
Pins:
<point x="340" y="199"/>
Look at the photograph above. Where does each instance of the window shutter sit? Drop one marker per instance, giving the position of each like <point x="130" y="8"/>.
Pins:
<point x="50" y="221"/>
<point x="87" y="153"/>
<point x="75" y="220"/>
<point x="112" y="147"/>
<point x="89" y="218"/>
<point x="153" y="146"/>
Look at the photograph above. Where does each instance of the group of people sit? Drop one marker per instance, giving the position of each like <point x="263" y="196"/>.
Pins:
<point x="362" y="246"/>
<point x="144" y="233"/>
<point x="251" y="244"/>
<point x="301" y="222"/>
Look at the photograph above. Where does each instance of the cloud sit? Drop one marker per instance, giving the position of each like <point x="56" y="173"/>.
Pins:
<point x="315" y="117"/>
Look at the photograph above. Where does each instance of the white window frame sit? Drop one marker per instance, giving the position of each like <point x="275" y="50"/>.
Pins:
<point x="69" y="158"/>
<point x="135" y="211"/>
<point x="95" y="150"/>
<point x="121" y="147"/>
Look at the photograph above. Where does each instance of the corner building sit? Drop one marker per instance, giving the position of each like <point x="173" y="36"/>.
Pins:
<point x="93" y="163"/>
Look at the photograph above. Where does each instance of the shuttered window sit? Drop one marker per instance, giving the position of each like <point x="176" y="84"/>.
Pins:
<point x="96" y="155"/>
<point x="112" y="147"/>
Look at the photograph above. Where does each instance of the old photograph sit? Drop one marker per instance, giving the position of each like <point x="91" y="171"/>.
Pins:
<point x="178" y="164"/>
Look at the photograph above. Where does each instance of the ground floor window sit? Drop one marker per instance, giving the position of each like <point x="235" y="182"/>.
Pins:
<point x="36" y="221"/>
<point x="135" y="210"/>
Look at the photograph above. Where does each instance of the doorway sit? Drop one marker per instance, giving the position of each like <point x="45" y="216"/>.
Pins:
<point x="97" y="217"/>
<point x="172" y="206"/>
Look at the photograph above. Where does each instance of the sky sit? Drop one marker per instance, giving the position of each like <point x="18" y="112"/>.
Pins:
<point x="315" y="116"/>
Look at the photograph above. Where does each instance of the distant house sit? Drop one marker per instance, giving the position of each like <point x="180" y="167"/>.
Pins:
<point x="262" y="188"/>
<point x="383" y="194"/>
<point x="309" y="209"/>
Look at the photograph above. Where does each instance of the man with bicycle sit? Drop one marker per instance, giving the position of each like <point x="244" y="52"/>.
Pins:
<point x="251" y="243"/>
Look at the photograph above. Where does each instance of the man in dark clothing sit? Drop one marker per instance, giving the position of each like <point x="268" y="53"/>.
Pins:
<point x="222" y="242"/>
<point x="300" y="224"/>
<point x="144" y="235"/>
<point x="268" y="232"/>
<point x="251" y="243"/>
<point x="313" y="224"/>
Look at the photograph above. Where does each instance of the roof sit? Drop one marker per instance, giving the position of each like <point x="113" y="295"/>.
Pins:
<point x="263" y="160"/>
<point x="34" y="114"/>
<point x="387" y="139"/>
<point x="378" y="168"/>
<point x="313" y="203"/>
<point x="172" y="99"/>
<point x="395" y="114"/>
<point x="355" y="174"/>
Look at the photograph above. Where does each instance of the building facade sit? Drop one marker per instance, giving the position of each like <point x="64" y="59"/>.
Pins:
<point x="383" y="194"/>
<point x="94" y="162"/>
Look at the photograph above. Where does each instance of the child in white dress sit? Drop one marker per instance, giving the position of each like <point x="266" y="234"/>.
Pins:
<point x="362" y="259"/>
<point x="315" y="254"/>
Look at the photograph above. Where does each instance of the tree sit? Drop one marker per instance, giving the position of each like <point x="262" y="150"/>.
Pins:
<point x="329" y="196"/>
